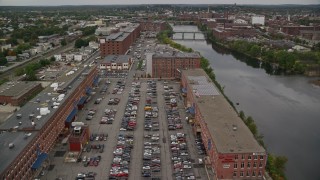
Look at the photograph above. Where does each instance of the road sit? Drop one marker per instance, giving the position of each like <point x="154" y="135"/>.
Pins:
<point x="9" y="71"/>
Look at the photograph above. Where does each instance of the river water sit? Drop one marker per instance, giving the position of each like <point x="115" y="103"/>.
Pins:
<point x="286" y="109"/>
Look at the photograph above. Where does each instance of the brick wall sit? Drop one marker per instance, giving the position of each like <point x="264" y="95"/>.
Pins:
<point x="20" y="168"/>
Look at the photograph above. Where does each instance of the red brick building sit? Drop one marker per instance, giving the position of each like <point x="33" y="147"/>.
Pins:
<point x="153" y="26"/>
<point x="79" y="138"/>
<point x="17" y="93"/>
<point x="232" y="150"/>
<point x="25" y="147"/>
<point x="295" y="30"/>
<point x="119" y="43"/>
<point x="240" y="31"/>
<point x="168" y="65"/>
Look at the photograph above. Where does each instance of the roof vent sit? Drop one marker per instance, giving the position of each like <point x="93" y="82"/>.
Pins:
<point x="77" y="129"/>
<point x="234" y="127"/>
<point x="31" y="116"/>
<point x="19" y="116"/>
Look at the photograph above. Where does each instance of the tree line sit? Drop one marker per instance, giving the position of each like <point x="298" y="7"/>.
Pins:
<point x="30" y="69"/>
<point x="292" y="62"/>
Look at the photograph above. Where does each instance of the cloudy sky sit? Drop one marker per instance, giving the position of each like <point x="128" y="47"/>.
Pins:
<point x="107" y="2"/>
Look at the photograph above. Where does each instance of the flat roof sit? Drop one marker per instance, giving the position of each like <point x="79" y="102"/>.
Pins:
<point x="43" y="99"/>
<point x="17" y="88"/>
<point x="176" y="54"/>
<point x="119" y="36"/>
<point x="130" y="28"/>
<point x="116" y="59"/>
<point x="220" y="118"/>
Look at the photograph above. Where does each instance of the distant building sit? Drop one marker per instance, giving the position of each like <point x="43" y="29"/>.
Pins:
<point x="233" y="152"/>
<point x="105" y="31"/>
<point x="155" y="26"/>
<point x="169" y="65"/>
<point x="93" y="45"/>
<point x="6" y="46"/>
<point x="258" y="20"/>
<point x="58" y="57"/>
<point x="78" y="57"/>
<point x="11" y="58"/>
<point x="237" y="30"/>
<point x="116" y="62"/>
<point x="308" y="32"/>
<point x="48" y="39"/>
<point x="17" y="93"/>
<point x="119" y="43"/>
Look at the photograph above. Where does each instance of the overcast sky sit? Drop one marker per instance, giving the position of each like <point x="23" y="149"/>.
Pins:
<point x="108" y="2"/>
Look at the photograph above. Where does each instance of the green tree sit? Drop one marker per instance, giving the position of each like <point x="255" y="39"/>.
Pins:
<point x="31" y="76"/>
<point x="276" y="166"/>
<point x="254" y="51"/>
<point x="3" y="60"/>
<point x="52" y="59"/>
<point x="241" y="115"/>
<point x="63" y="42"/>
<point x="80" y="42"/>
<point x="286" y="60"/>
<point x="20" y="71"/>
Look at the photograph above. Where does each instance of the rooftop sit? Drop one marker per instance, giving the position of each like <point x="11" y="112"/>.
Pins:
<point x="130" y="28"/>
<point x="16" y="89"/>
<point x="12" y="132"/>
<point x="119" y="36"/>
<point x="227" y="130"/>
<point x="176" y="54"/>
<point x="116" y="59"/>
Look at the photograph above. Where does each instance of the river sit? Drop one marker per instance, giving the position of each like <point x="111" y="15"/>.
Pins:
<point x="286" y="109"/>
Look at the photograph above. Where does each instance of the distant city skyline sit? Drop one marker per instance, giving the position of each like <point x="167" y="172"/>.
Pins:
<point x="122" y="2"/>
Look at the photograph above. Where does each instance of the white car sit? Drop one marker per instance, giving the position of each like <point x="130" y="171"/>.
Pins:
<point x="146" y="167"/>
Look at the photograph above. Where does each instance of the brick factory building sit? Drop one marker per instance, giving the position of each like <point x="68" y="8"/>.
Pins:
<point x="116" y="62"/>
<point x="239" y="31"/>
<point x="28" y="136"/>
<point x="119" y="43"/>
<point x="295" y="30"/>
<point x="168" y="65"/>
<point x="232" y="150"/>
<point x="155" y="26"/>
<point x="18" y="93"/>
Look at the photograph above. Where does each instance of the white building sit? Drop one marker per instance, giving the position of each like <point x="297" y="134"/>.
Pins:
<point x="69" y="57"/>
<point x="11" y="58"/>
<point x="78" y="57"/>
<point x="240" y="21"/>
<point x="93" y="45"/>
<point x="6" y="46"/>
<point x="34" y="51"/>
<point x="119" y="62"/>
<point x="58" y="57"/>
<point x="258" y="20"/>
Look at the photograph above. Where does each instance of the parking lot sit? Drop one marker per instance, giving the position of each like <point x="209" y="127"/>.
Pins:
<point x="130" y="136"/>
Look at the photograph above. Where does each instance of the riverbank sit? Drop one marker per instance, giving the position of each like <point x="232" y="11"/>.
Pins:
<point x="315" y="82"/>
<point x="275" y="164"/>
<point x="289" y="63"/>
